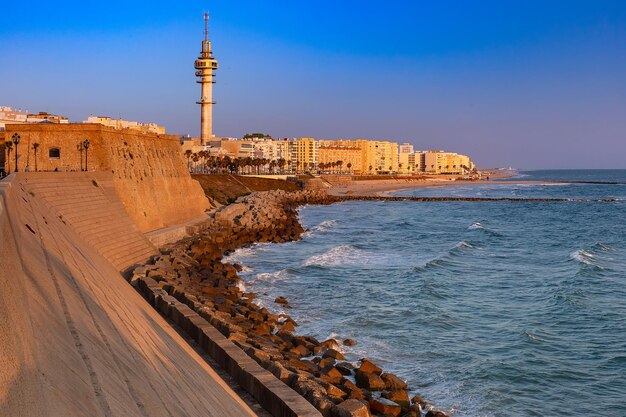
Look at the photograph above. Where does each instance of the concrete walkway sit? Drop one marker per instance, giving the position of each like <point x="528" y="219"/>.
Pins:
<point x="75" y="338"/>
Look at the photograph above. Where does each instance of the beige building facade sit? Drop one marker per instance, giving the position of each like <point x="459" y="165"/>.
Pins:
<point x="441" y="162"/>
<point x="9" y="115"/>
<point x="332" y="151"/>
<point x="306" y="154"/>
<point x="126" y="124"/>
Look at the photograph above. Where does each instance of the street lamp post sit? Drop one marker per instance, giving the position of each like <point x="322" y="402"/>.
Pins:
<point x="86" y="146"/>
<point x="16" y="140"/>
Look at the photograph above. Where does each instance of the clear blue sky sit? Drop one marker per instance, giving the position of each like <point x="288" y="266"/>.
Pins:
<point x="530" y="84"/>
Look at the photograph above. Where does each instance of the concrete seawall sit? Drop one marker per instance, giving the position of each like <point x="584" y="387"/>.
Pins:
<point x="75" y="338"/>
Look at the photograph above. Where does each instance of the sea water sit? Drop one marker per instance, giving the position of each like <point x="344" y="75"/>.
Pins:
<point x="485" y="308"/>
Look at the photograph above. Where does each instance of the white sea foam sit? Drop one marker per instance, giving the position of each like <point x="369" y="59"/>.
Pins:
<point x="603" y="247"/>
<point x="483" y="228"/>
<point x="339" y="255"/>
<point x="464" y="244"/>
<point x="269" y="276"/>
<point x="240" y="254"/>
<point x="476" y="225"/>
<point x="584" y="257"/>
<point x="325" y="226"/>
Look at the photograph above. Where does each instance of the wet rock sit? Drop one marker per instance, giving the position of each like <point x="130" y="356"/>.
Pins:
<point x="335" y="394"/>
<point x="323" y="363"/>
<point x="331" y="375"/>
<point x="325" y="346"/>
<point x="345" y="368"/>
<point x="369" y="367"/>
<point x="300" y="351"/>
<point x="349" y="342"/>
<point x="393" y="383"/>
<point x="371" y="382"/>
<point x="351" y="408"/>
<point x="417" y="400"/>
<point x="335" y="354"/>
<point x="433" y="413"/>
<point x="351" y="389"/>
<point x="281" y="300"/>
<point x="400" y="397"/>
<point x="384" y="406"/>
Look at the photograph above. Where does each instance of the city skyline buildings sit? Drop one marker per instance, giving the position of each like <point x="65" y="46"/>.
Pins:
<point x="497" y="82"/>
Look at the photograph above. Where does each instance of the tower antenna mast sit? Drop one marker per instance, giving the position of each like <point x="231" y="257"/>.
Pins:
<point x="206" y="26"/>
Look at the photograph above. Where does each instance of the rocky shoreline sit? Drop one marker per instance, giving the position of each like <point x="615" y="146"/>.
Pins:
<point x="192" y="271"/>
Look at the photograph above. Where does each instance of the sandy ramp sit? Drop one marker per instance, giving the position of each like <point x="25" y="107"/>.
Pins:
<point x="75" y="337"/>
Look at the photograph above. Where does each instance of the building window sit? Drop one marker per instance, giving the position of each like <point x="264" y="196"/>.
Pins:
<point x="54" y="153"/>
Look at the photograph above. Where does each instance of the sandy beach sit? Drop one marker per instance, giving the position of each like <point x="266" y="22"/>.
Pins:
<point x="388" y="186"/>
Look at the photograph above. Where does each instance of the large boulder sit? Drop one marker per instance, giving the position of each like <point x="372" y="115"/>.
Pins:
<point x="400" y="397"/>
<point x="369" y="381"/>
<point x="385" y="406"/>
<point x="351" y="408"/>
<point x="433" y="413"/>
<point x="331" y="375"/>
<point x="335" y="354"/>
<point x="393" y="383"/>
<point x="369" y="367"/>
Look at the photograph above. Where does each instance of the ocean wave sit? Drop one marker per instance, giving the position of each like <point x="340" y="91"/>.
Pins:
<point x="592" y="256"/>
<point x="603" y="247"/>
<point x="445" y="259"/>
<point x="325" y="226"/>
<point x="582" y="256"/>
<point x="242" y="254"/>
<point x="481" y="227"/>
<point x="339" y="255"/>
<point x="463" y="244"/>
<point x="270" y="276"/>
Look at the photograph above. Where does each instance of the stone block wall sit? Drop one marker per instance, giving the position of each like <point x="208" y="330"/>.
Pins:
<point x="149" y="170"/>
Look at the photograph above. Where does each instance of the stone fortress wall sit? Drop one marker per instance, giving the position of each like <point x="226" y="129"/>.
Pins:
<point x="75" y="339"/>
<point x="149" y="171"/>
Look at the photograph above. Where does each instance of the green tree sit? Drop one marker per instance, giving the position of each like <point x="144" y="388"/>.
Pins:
<point x="256" y="136"/>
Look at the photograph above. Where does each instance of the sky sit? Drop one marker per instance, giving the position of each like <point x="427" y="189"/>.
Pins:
<point x="522" y="83"/>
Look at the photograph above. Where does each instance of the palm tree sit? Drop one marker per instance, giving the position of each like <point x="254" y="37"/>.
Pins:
<point x="188" y="154"/>
<point x="340" y="164"/>
<point x="370" y="169"/>
<point x="349" y="166"/>
<point x="225" y="163"/>
<point x="35" y="147"/>
<point x="195" y="158"/>
<point x="202" y="155"/>
<point x="281" y="164"/>
<point x="9" y="146"/>
<point x="248" y="163"/>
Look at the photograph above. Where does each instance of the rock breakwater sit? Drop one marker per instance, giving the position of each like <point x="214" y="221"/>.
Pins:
<point x="192" y="272"/>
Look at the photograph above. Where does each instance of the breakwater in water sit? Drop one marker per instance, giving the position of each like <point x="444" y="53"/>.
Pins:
<point x="192" y="271"/>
